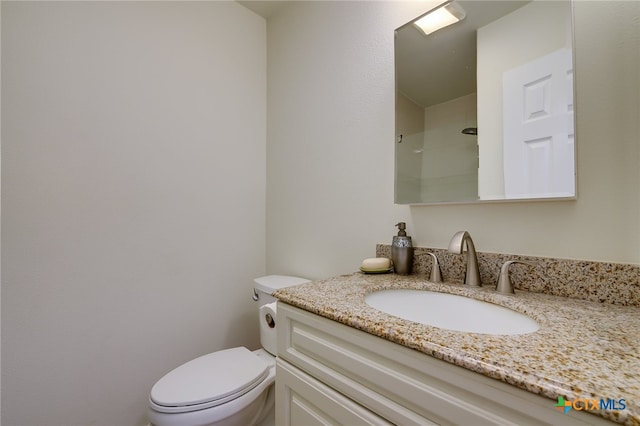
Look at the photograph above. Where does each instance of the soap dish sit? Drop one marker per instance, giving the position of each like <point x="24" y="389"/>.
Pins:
<point x="376" y="271"/>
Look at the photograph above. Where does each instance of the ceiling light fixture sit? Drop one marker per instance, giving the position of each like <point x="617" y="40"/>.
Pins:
<point x="439" y="18"/>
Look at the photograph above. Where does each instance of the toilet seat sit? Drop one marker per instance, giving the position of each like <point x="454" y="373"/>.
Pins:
<point x="208" y="381"/>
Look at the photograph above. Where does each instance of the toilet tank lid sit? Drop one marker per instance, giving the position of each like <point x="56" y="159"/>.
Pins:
<point x="271" y="283"/>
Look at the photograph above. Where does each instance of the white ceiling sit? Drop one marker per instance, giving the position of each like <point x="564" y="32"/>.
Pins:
<point x="264" y="8"/>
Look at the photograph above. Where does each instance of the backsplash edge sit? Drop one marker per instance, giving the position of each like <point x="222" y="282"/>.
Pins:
<point x="604" y="282"/>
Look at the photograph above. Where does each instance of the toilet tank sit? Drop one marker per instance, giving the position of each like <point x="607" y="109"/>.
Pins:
<point x="264" y="287"/>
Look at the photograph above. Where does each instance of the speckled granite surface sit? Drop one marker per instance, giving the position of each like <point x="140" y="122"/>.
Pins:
<point x="605" y="282"/>
<point x="582" y="350"/>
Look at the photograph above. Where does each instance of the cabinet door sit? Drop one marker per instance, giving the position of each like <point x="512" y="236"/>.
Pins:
<point x="302" y="400"/>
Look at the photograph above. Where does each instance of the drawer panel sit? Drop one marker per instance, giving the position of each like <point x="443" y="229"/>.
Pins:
<point x="302" y="400"/>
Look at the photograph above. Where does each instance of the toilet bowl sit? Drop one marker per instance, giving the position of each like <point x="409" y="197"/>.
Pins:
<point x="228" y="387"/>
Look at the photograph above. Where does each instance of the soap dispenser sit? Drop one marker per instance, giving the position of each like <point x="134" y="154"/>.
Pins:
<point x="402" y="251"/>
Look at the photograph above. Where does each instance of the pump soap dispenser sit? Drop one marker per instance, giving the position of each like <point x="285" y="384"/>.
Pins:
<point x="402" y="251"/>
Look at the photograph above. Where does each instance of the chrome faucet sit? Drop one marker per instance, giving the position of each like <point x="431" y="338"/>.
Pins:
<point x="472" y="275"/>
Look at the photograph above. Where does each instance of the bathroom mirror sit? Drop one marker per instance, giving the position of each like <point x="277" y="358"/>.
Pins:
<point x="484" y="106"/>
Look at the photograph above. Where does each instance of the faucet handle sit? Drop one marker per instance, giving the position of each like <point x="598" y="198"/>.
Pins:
<point x="436" y="274"/>
<point x="504" y="280"/>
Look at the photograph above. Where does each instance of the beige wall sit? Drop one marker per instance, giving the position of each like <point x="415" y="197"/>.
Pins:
<point x="331" y="141"/>
<point x="133" y="199"/>
<point x="330" y="135"/>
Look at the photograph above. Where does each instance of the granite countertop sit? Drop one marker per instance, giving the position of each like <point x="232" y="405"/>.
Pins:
<point x="582" y="349"/>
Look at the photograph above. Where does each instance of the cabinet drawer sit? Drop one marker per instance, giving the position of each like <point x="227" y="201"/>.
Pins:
<point x="302" y="400"/>
<point x="405" y="386"/>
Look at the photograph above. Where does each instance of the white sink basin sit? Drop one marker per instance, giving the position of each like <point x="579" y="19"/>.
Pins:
<point x="450" y="311"/>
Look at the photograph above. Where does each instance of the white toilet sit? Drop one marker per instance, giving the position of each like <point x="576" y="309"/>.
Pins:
<point x="229" y="387"/>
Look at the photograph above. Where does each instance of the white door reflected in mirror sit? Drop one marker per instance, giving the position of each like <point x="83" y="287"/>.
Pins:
<point x="538" y="128"/>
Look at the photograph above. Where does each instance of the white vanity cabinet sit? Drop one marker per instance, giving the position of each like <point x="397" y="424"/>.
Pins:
<point x="331" y="374"/>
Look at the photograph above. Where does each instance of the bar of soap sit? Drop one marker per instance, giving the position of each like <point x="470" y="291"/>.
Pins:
<point x="376" y="263"/>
